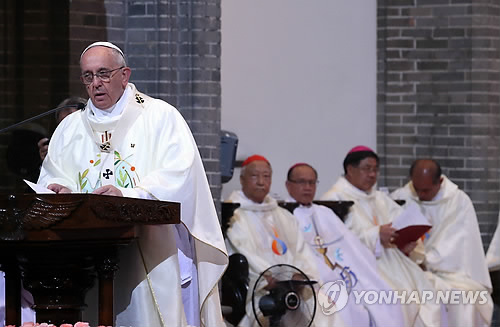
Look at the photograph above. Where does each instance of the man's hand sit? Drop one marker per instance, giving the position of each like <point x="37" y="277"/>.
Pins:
<point x="58" y="188"/>
<point x="108" y="190"/>
<point x="43" y="147"/>
<point x="387" y="235"/>
<point x="409" y="247"/>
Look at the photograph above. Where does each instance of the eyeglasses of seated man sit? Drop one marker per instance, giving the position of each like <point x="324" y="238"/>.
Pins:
<point x="364" y="175"/>
<point x="256" y="180"/>
<point x="304" y="182"/>
<point x="368" y="169"/>
<point x="301" y="184"/>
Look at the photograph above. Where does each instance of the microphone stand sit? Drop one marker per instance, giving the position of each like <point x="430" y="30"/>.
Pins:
<point x="77" y="106"/>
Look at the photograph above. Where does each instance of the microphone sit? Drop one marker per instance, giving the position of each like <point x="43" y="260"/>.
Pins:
<point x="77" y="106"/>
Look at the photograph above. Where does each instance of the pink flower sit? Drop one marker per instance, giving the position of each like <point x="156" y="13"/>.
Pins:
<point x="44" y="324"/>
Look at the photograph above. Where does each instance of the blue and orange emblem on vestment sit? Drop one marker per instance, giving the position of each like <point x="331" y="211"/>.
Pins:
<point x="278" y="246"/>
<point x="426" y="236"/>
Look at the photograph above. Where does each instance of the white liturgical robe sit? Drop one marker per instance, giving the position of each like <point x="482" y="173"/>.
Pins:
<point x="268" y="235"/>
<point x="493" y="253"/>
<point x="370" y="210"/>
<point x="147" y="151"/>
<point x="27" y="314"/>
<point x="454" y="255"/>
<point x="320" y="224"/>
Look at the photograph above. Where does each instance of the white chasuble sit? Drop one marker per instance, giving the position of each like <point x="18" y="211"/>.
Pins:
<point x="266" y="235"/>
<point x="27" y="313"/>
<point x="370" y="210"/>
<point x="454" y="255"/>
<point x="356" y="264"/>
<point x="153" y="152"/>
<point x="493" y="253"/>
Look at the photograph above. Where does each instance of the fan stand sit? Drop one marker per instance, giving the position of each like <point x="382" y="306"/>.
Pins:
<point x="284" y="296"/>
<point x="292" y="302"/>
<point x="274" y="321"/>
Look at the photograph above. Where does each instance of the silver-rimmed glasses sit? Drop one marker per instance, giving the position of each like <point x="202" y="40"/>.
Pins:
<point x="104" y="75"/>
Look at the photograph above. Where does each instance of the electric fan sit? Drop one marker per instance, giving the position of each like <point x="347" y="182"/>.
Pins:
<point x="283" y="296"/>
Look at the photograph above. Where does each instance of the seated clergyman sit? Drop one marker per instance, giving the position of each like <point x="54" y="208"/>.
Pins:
<point x="370" y="218"/>
<point x="339" y="253"/>
<point x="267" y="234"/>
<point x="454" y="255"/>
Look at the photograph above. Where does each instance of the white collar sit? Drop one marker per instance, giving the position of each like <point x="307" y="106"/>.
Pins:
<point x="115" y="110"/>
<point x="269" y="203"/>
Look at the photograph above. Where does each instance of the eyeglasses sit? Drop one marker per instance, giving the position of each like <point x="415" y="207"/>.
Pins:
<point x="255" y="177"/>
<point x="369" y="169"/>
<point x="303" y="182"/>
<point x="103" y="75"/>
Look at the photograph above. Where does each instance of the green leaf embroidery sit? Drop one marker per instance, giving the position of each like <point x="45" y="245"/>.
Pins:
<point x="128" y="175"/>
<point x="119" y="183"/>
<point x="85" y="173"/>
<point x="97" y="162"/>
<point x="83" y="185"/>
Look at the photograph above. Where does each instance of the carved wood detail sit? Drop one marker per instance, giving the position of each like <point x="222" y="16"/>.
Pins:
<point x="57" y="244"/>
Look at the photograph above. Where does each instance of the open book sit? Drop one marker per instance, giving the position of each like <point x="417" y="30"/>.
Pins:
<point x="410" y="225"/>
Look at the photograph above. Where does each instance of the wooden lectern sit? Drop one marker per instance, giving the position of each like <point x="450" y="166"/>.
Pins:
<point x="57" y="244"/>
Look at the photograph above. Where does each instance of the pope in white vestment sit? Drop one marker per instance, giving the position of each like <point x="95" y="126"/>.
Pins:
<point x="454" y="255"/>
<point x="143" y="148"/>
<point x="267" y="234"/>
<point x="372" y="210"/>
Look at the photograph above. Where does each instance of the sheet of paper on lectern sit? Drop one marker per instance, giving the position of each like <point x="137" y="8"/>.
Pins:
<point x="39" y="189"/>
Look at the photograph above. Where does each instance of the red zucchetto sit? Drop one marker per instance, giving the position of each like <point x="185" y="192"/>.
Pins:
<point x="253" y="158"/>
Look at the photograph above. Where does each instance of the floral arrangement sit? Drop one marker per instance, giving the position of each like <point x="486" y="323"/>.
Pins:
<point x="32" y="324"/>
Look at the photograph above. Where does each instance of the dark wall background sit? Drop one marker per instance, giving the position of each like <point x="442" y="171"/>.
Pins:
<point x="438" y="95"/>
<point x="173" y="48"/>
<point x="438" y="78"/>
